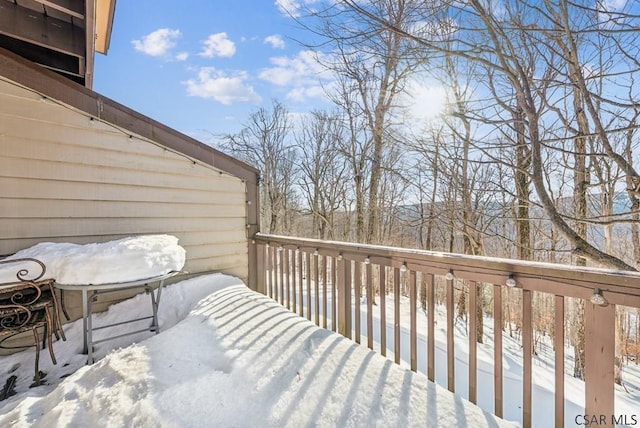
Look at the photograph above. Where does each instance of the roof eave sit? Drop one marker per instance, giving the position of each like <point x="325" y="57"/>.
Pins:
<point x="104" y="13"/>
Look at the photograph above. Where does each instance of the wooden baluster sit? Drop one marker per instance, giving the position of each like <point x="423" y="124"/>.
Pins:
<point x="316" y="288"/>
<point x="287" y="276"/>
<point x="473" y="342"/>
<point x="558" y="344"/>
<point x="281" y="273"/>
<point x="294" y="281"/>
<point x="300" y="283"/>
<point x="527" y="350"/>
<point x="450" y="344"/>
<point x="334" y="293"/>
<point x="370" y="297"/>
<point x="396" y="314"/>
<point x="383" y="310"/>
<point x="325" y="279"/>
<point x="497" y="351"/>
<point x="357" y="286"/>
<point x="431" y="328"/>
<point x="274" y="273"/>
<point x="413" y="323"/>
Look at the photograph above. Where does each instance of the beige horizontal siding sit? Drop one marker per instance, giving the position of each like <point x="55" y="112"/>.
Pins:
<point x="230" y="265"/>
<point x="204" y="251"/>
<point x="65" y="178"/>
<point x="27" y="106"/>
<point x="15" y="187"/>
<point x="21" y="208"/>
<point x="116" y="148"/>
<point x="35" y="227"/>
<point x="187" y="239"/>
<point x="65" y="152"/>
<point x="113" y="173"/>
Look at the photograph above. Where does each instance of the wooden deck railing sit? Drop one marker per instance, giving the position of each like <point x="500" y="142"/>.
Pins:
<point x="305" y="275"/>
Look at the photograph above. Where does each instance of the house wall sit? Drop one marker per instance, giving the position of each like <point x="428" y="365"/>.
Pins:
<point x="67" y="178"/>
<point x="64" y="177"/>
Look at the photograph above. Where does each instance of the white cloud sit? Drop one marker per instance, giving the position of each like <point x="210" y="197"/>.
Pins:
<point x="614" y="5"/>
<point x="182" y="56"/>
<point x="157" y="43"/>
<point x="303" y="74"/>
<point x="222" y="87"/>
<point x="275" y="41"/>
<point x="218" y="45"/>
<point x="289" y="7"/>
<point x="608" y="12"/>
<point x="294" y="8"/>
<point x="292" y="70"/>
<point x="301" y="94"/>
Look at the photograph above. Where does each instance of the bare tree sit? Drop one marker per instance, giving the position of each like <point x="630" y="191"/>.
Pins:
<point x="322" y="169"/>
<point x="553" y="75"/>
<point x="372" y="65"/>
<point x="528" y="51"/>
<point x="263" y="142"/>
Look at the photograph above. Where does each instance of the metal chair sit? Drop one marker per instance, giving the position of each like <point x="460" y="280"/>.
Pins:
<point x="29" y="304"/>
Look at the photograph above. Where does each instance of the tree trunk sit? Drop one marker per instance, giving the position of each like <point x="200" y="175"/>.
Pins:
<point x="578" y="340"/>
<point x="480" y="313"/>
<point x="580" y="185"/>
<point x="523" y="189"/>
<point x="619" y="345"/>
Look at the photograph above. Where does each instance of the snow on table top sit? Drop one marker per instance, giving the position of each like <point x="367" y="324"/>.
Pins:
<point x="122" y="260"/>
<point x="236" y="358"/>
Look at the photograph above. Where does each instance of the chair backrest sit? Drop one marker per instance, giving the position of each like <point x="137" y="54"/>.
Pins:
<point x="28" y="303"/>
<point x="18" y="271"/>
<point x="23" y="295"/>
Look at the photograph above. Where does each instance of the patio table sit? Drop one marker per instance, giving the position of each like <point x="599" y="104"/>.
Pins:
<point x="90" y="293"/>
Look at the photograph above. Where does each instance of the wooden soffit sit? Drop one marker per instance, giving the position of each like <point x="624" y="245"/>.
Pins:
<point x="61" y="35"/>
<point x="105" y="10"/>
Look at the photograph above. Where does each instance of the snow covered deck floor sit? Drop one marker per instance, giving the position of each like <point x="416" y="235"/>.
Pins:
<point x="238" y="359"/>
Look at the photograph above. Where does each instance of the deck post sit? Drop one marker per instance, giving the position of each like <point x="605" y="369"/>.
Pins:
<point x="261" y="271"/>
<point x="254" y="276"/>
<point x="344" y="297"/>
<point x="599" y="359"/>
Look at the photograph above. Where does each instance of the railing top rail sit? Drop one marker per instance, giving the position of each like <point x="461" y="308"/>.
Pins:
<point x="573" y="281"/>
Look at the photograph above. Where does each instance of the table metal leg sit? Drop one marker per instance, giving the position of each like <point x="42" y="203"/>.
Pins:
<point x="155" y="302"/>
<point x="90" y="330"/>
<point x="89" y="295"/>
<point x="84" y="321"/>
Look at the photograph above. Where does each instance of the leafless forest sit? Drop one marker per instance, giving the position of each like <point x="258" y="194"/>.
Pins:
<point x="534" y="156"/>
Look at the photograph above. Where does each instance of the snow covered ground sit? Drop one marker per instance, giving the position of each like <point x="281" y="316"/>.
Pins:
<point x="226" y="356"/>
<point x="627" y="400"/>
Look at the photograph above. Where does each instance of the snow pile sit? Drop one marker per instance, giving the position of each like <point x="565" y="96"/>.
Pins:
<point x="236" y="358"/>
<point x="122" y="260"/>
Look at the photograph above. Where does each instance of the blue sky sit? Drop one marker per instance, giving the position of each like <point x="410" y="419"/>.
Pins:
<point x="201" y="66"/>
